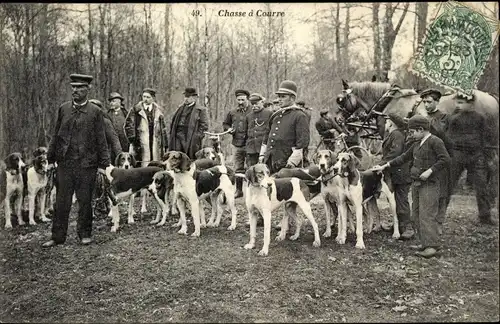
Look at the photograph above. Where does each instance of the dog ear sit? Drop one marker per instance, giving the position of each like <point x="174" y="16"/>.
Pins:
<point x="315" y="158"/>
<point x="332" y="155"/>
<point x="185" y="162"/>
<point x="250" y="175"/>
<point x="354" y="162"/>
<point x="199" y="154"/>
<point x="117" y="159"/>
<point x="345" y="85"/>
<point x="133" y="160"/>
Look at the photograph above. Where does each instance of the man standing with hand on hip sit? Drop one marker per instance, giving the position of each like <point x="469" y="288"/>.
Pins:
<point x="235" y="119"/>
<point x="79" y="147"/>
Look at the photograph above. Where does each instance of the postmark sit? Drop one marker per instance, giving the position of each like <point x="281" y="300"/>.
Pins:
<point x="456" y="47"/>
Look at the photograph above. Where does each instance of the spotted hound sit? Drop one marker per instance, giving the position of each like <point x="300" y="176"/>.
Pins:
<point x="264" y="194"/>
<point x="124" y="183"/>
<point x="12" y="186"/>
<point x="37" y="179"/>
<point x="181" y="169"/>
<point x="206" y="153"/>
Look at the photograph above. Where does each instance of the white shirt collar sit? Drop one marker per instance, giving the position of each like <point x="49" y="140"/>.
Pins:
<point x="148" y="107"/>
<point x="425" y="138"/>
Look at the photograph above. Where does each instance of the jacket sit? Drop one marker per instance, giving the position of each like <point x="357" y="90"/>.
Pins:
<point x="323" y="125"/>
<point x="392" y="147"/>
<point x="235" y="118"/>
<point x="137" y="130"/>
<point x="118" y="120"/>
<point x="439" y="125"/>
<point x="198" y="123"/>
<point x="469" y="131"/>
<point x="289" y="129"/>
<point x="112" y="139"/>
<point x="257" y="126"/>
<point x="89" y="129"/>
<point x="431" y="155"/>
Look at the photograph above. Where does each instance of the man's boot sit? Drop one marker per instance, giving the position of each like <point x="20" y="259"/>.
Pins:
<point x="239" y="187"/>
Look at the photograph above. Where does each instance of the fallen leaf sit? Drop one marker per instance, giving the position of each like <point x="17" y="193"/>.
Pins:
<point x="332" y="258"/>
<point x="399" y="308"/>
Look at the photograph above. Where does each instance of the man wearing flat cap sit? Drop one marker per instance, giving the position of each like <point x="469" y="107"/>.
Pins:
<point x="235" y="120"/>
<point x="79" y="147"/>
<point x="189" y="122"/>
<point x="397" y="178"/>
<point x="289" y="132"/>
<point x="326" y="127"/>
<point x="438" y="122"/>
<point x="146" y="129"/>
<point x="428" y="158"/>
<point x="257" y="126"/>
<point x="117" y="114"/>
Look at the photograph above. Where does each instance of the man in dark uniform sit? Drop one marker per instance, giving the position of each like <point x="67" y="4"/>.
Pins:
<point x="257" y="126"/>
<point x="308" y="111"/>
<point x="79" y="147"/>
<point x="117" y="114"/>
<point x="112" y="139"/>
<point x="326" y="127"/>
<point x="188" y="124"/>
<point x="398" y="178"/>
<point x="438" y="126"/>
<point x="289" y="132"/>
<point x="235" y="120"/>
<point x="472" y="141"/>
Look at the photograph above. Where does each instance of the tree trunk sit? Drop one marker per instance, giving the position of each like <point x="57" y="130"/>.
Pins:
<point x="390" y="34"/>
<point x="422" y="10"/>
<point x="92" y="60"/>
<point x="377" y="55"/>
<point x="338" y="45"/>
<point x="101" y="89"/>
<point x="205" y="50"/>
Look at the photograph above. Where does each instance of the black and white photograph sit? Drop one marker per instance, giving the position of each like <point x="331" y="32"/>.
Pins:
<point x="249" y="162"/>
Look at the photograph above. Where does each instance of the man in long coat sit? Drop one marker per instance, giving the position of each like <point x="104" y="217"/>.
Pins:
<point x="188" y="124"/>
<point x="146" y="129"/>
<point x="117" y="113"/>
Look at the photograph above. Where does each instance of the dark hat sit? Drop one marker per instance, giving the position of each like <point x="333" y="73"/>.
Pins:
<point x="287" y="87"/>
<point x="435" y="94"/>
<point x="396" y="119"/>
<point x="301" y="103"/>
<point x="256" y="97"/>
<point x="150" y="91"/>
<point x="96" y="102"/>
<point x="418" y="121"/>
<point x="188" y="92"/>
<point x="241" y="92"/>
<point x="114" y="95"/>
<point x="80" y="79"/>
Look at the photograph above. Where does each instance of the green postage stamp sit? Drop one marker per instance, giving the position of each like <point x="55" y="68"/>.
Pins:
<point x="456" y="47"/>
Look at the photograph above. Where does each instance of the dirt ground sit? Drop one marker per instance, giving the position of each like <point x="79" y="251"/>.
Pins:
<point x="145" y="273"/>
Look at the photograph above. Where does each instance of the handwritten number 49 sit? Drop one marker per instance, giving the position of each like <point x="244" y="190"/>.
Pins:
<point x="196" y="13"/>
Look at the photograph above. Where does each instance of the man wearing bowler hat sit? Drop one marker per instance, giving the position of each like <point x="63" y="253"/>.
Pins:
<point x="257" y="126"/>
<point x="235" y="120"/>
<point x="146" y="129"/>
<point x="289" y="134"/>
<point x="188" y="124"/>
<point x="79" y="147"/>
<point x="117" y="114"/>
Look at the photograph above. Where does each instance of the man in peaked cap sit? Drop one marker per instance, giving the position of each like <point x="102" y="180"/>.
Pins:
<point x="235" y="120"/>
<point x="79" y="147"/>
<point x="428" y="158"/>
<point x="398" y="178"/>
<point x="117" y="114"/>
<point x="289" y="134"/>
<point x="257" y="125"/>
<point x="189" y="122"/>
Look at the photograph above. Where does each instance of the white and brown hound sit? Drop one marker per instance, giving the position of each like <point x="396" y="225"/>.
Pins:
<point x="124" y="183"/>
<point x="181" y="169"/>
<point x="341" y="185"/>
<point x="12" y="185"/>
<point x="264" y="194"/>
<point x="207" y="153"/>
<point x="37" y="185"/>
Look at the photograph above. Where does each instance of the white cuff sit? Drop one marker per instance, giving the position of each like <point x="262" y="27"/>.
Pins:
<point x="263" y="149"/>
<point x="296" y="157"/>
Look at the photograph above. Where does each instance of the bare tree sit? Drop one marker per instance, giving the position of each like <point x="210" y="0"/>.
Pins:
<point x="377" y="51"/>
<point x="390" y="33"/>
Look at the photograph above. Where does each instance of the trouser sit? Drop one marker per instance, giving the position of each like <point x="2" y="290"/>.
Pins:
<point x="402" y="205"/>
<point x="81" y="181"/>
<point x="239" y="159"/>
<point x="425" y="209"/>
<point x="180" y="142"/>
<point x="474" y="162"/>
<point x="275" y="165"/>
<point x="252" y="159"/>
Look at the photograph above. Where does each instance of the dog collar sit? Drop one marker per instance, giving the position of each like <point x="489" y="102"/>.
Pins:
<point x="324" y="179"/>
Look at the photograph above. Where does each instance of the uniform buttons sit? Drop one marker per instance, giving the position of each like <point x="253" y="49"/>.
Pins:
<point x="279" y="121"/>
<point x="276" y="128"/>
<point x="274" y="134"/>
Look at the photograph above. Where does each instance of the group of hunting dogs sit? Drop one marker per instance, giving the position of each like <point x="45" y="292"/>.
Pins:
<point x="180" y="185"/>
